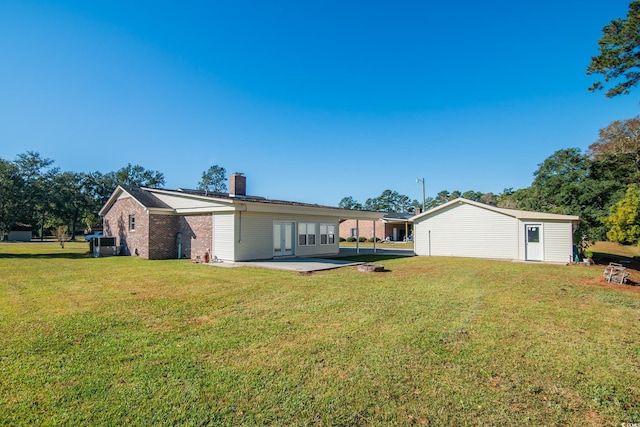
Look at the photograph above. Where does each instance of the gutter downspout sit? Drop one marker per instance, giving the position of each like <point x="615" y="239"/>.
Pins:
<point x="241" y="208"/>
<point x="179" y="239"/>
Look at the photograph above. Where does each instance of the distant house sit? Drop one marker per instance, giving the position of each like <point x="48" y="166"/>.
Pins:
<point x="19" y="233"/>
<point x="394" y="227"/>
<point x="466" y="228"/>
<point x="163" y="224"/>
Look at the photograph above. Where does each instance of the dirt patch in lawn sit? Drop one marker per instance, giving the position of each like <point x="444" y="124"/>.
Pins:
<point x="632" y="285"/>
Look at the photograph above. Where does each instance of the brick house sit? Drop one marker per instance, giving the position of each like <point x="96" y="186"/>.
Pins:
<point x="163" y="224"/>
<point x="394" y="227"/>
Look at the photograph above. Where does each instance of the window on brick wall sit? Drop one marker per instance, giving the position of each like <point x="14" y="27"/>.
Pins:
<point x="132" y="222"/>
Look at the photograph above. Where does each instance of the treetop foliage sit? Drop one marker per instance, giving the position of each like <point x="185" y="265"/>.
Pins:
<point x="214" y="179"/>
<point x="619" y="57"/>
<point x="619" y="141"/>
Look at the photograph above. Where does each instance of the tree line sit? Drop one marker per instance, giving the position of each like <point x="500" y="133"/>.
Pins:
<point x="599" y="185"/>
<point x="34" y="192"/>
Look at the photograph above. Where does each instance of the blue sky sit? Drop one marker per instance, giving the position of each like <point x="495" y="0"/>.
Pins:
<point x="312" y="100"/>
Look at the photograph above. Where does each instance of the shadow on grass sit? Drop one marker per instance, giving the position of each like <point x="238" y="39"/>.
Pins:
<point x="69" y="255"/>
<point x="603" y="259"/>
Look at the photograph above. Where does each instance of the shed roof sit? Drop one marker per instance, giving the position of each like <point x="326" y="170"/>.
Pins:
<point x="520" y="214"/>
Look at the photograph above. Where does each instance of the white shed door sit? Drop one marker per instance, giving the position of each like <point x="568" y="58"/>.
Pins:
<point x="533" y="241"/>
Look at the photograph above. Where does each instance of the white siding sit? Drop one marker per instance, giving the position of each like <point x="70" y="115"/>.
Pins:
<point x="558" y="241"/>
<point x="223" y="233"/>
<point x="185" y="202"/>
<point x="254" y="235"/>
<point x="467" y="231"/>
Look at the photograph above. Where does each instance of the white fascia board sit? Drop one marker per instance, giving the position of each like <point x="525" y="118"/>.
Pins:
<point x="396" y="221"/>
<point x="204" y="210"/>
<point x="161" y="211"/>
<point x="308" y="210"/>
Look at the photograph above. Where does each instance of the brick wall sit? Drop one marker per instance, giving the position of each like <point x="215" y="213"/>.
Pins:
<point x="365" y="226"/>
<point x="163" y="230"/>
<point x="116" y="224"/>
<point x="383" y="230"/>
<point x="196" y="235"/>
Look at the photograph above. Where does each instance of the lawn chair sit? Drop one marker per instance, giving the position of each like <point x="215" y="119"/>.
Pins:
<point x="615" y="273"/>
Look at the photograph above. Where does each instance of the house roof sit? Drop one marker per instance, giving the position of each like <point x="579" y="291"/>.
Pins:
<point x="185" y="201"/>
<point x="146" y="198"/>
<point x="397" y="217"/>
<point x="525" y="215"/>
<point x="21" y="227"/>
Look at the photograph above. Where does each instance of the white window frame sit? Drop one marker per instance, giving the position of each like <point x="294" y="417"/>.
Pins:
<point x="132" y="223"/>
<point x="329" y="235"/>
<point x="306" y="234"/>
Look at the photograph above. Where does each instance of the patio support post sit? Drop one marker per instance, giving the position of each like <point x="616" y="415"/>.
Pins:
<point x="374" y="237"/>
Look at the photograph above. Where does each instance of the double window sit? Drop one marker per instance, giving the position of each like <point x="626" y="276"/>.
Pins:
<point x="306" y="234"/>
<point x="327" y="234"/>
<point x="132" y="222"/>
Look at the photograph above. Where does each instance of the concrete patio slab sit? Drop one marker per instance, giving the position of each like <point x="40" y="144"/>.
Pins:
<point x="300" y="265"/>
<point x="309" y="265"/>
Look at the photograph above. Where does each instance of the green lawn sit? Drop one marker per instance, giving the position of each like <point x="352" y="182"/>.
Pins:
<point x="438" y="341"/>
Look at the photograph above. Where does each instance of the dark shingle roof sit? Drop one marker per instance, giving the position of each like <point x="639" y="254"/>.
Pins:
<point x="147" y="199"/>
<point x="396" y="215"/>
<point x="253" y="199"/>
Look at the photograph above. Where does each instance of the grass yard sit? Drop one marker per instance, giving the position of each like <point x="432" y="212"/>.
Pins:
<point x="432" y="341"/>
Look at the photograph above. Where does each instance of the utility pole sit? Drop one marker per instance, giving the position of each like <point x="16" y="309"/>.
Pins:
<point x="423" y="198"/>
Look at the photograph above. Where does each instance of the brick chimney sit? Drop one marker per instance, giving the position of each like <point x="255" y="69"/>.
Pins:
<point x="237" y="185"/>
<point x="418" y="210"/>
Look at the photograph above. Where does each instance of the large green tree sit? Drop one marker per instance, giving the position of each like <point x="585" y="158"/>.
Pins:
<point x="349" y="202"/>
<point x="573" y="183"/>
<point x="214" y="179"/>
<point x="620" y="142"/>
<point x="70" y="203"/>
<point x="619" y="59"/>
<point x="37" y="174"/>
<point x="557" y="181"/>
<point x="514" y="199"/>
<point x="391" y="201"/>
<point x="624" y="221"/>
<point x="11" y="188"/>
<point x="137" y="176"/>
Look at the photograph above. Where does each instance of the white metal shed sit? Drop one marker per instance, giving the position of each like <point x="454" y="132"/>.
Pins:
<point x="466" y="228"/>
